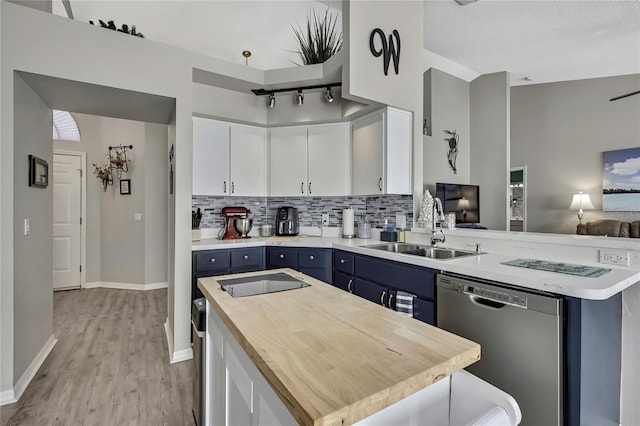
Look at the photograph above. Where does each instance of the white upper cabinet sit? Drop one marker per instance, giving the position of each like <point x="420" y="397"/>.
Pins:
<point x="210" y="157"/>
<point x="288" y="161"/>
<point x="228" y="159"/>
<point x="328" y="157"/>
<point x="309" y="160"/>
<point x="381" y="153"/>
<point x="248" y="161"/>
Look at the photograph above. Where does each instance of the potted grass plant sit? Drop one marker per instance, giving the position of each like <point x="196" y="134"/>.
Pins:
<point x="321" y="39"/>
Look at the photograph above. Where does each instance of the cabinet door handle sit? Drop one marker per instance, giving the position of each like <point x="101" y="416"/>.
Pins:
<point x="224" y="189"/>
<point x="384" y="293"/>
<point x="311" y="257"/>
<point x="245" y="257"/>
<point x="233" y="187"/>
<point x="309" y="187"/>
<point x="212" y="260"/>
<point x="282" y="256"/>
<point x="302" y="187"/>
<point x="349" y="289"/>
<point x="341" y="260"/>
<point x="380" y="184"/>
<point x="390" y="301"/>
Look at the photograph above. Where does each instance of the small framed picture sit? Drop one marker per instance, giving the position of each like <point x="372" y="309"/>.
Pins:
<point x="38" y="172"/>
<point x="125" y="186"/>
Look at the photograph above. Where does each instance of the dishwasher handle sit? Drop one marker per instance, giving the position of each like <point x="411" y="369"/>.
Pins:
<point x="492" y="304"/>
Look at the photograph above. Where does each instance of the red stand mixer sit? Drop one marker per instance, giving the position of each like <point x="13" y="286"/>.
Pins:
<point x="231" y="214"/>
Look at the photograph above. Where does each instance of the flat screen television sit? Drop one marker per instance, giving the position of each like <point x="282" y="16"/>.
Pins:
<point x="463" y="200"/>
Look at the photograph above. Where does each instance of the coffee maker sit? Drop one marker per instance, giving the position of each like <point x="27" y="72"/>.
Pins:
<point x="231" y="214"/>
<point x="287" y="221"/>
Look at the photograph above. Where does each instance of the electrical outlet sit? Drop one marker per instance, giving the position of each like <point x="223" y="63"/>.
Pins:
<point x="325" y="219"/>
<point x="27" y="227"/>
<point x="614" y="257"/>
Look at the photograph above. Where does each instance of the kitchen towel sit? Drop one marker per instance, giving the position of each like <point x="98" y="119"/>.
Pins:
<point x="347" y="223"/>
<point x="404" y="303"/>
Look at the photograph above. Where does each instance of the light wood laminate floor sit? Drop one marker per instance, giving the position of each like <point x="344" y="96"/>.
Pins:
<point x="109" y="367"/>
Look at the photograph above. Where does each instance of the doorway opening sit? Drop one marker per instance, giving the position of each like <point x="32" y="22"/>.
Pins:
<point x="518" y="199"/>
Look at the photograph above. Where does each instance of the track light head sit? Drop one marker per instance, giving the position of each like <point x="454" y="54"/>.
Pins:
<point x="328" y="95"/>
<point x="299" y="97"/>
<point x="271" y="101"/>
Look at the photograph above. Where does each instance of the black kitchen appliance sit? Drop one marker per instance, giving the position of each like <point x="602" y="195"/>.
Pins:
<point x="287" y="221"/>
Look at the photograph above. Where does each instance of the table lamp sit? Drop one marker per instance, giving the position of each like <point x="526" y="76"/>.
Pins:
<point x="579" y="202"/>
<point x="463" y="204"/>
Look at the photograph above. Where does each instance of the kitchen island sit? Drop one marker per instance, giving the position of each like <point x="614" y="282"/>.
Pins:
<point x="329" y="356"/>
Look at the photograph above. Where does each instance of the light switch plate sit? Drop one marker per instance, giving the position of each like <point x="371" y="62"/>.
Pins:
<point x="325" y="219"/>
<point x="27" y="227"/>
<point x="137" y="217"/>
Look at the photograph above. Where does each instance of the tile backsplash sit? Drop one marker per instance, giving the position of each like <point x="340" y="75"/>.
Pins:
<point x="375" y="209"/>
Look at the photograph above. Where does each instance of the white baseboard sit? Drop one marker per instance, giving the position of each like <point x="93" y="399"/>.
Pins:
<point x="8" y="397"/>
<point x="126" y="286"/>
<point x="179" y="356"/>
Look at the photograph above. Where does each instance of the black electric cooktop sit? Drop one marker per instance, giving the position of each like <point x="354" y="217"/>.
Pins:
<point x="261" y="284"/>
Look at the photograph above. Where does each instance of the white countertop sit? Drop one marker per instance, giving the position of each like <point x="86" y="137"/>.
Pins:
<point x="487" y="266"/>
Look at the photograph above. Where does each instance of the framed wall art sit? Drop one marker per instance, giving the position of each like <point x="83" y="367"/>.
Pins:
<point x="621" y="180"/>
<point x="125" y="186"/>
<point x="38" y="172"/>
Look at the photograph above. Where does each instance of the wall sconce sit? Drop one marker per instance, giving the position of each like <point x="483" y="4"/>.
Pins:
<point x="579" y="202"/>
<point x="299" y="96"/>
<point x="118" y="160"/>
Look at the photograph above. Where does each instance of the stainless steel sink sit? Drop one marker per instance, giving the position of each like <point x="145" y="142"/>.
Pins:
<point x="436" y="253"/>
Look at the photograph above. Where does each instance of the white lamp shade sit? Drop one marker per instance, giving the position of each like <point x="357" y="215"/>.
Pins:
<point x="463" y="204"/>
<point x="581" y="201"/>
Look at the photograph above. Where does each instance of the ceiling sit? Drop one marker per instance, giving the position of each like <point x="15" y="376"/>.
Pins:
<point x="542" y="39"/>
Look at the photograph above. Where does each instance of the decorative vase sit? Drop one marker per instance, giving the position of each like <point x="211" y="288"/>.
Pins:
<point x="426" y="210"/>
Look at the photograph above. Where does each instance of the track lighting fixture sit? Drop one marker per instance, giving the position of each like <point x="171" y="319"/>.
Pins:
<point x="299" y="96"/>
<point x="328" y="94"/>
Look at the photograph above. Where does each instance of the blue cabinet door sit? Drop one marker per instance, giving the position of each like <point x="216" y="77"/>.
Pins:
<point x="424" y="310"/>
<point x="343" y="281"/>
<point x="371" y="291"/>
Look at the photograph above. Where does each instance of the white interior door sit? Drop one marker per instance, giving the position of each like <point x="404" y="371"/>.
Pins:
<point x="67" y="202"/>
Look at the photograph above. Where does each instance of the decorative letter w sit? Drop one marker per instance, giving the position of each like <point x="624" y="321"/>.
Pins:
<point x="389" y="50"/>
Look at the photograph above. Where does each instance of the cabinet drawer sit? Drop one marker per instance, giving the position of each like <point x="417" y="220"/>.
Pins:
<point x="314" y="258"/>
<point x="343" y="262"/>
<point x="212" y="261"/>
<point x="247" y="259"/>
<point x="283" y="257"/>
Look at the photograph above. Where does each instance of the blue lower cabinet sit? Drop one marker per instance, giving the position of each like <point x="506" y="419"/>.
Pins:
<point x="424" y="310"/>
<point x="343" y="281"/>
<point x="315" y="262"/>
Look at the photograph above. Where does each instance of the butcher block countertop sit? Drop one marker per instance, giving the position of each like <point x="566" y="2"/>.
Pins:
<point x="334" y="358"/>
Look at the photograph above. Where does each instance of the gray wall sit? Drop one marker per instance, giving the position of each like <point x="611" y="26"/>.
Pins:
<point x="90" y="144"/>
<point x="559" y="131"/>
<point x="156" y="198"/>
<point x="490" y="168"/>
<point x="122" y="239"/>
<point x="33" y="253"/>
<point x="450" y="110"/>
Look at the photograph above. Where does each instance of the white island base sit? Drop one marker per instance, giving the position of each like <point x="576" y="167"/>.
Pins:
<point x="236" y="393"/>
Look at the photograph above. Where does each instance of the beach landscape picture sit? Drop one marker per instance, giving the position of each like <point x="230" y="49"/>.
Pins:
<point x="621" y="180"/>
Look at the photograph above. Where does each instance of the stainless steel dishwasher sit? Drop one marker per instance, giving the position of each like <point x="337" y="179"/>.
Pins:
<point x="521" y="339"/>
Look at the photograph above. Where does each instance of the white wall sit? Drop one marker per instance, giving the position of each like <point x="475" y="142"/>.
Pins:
<point x="33" y="253"/>
<point x="490" y="134"/>
<point x="449" y="101"/>
<point x="559" y="131"/>
<point x="630" y="392"/>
